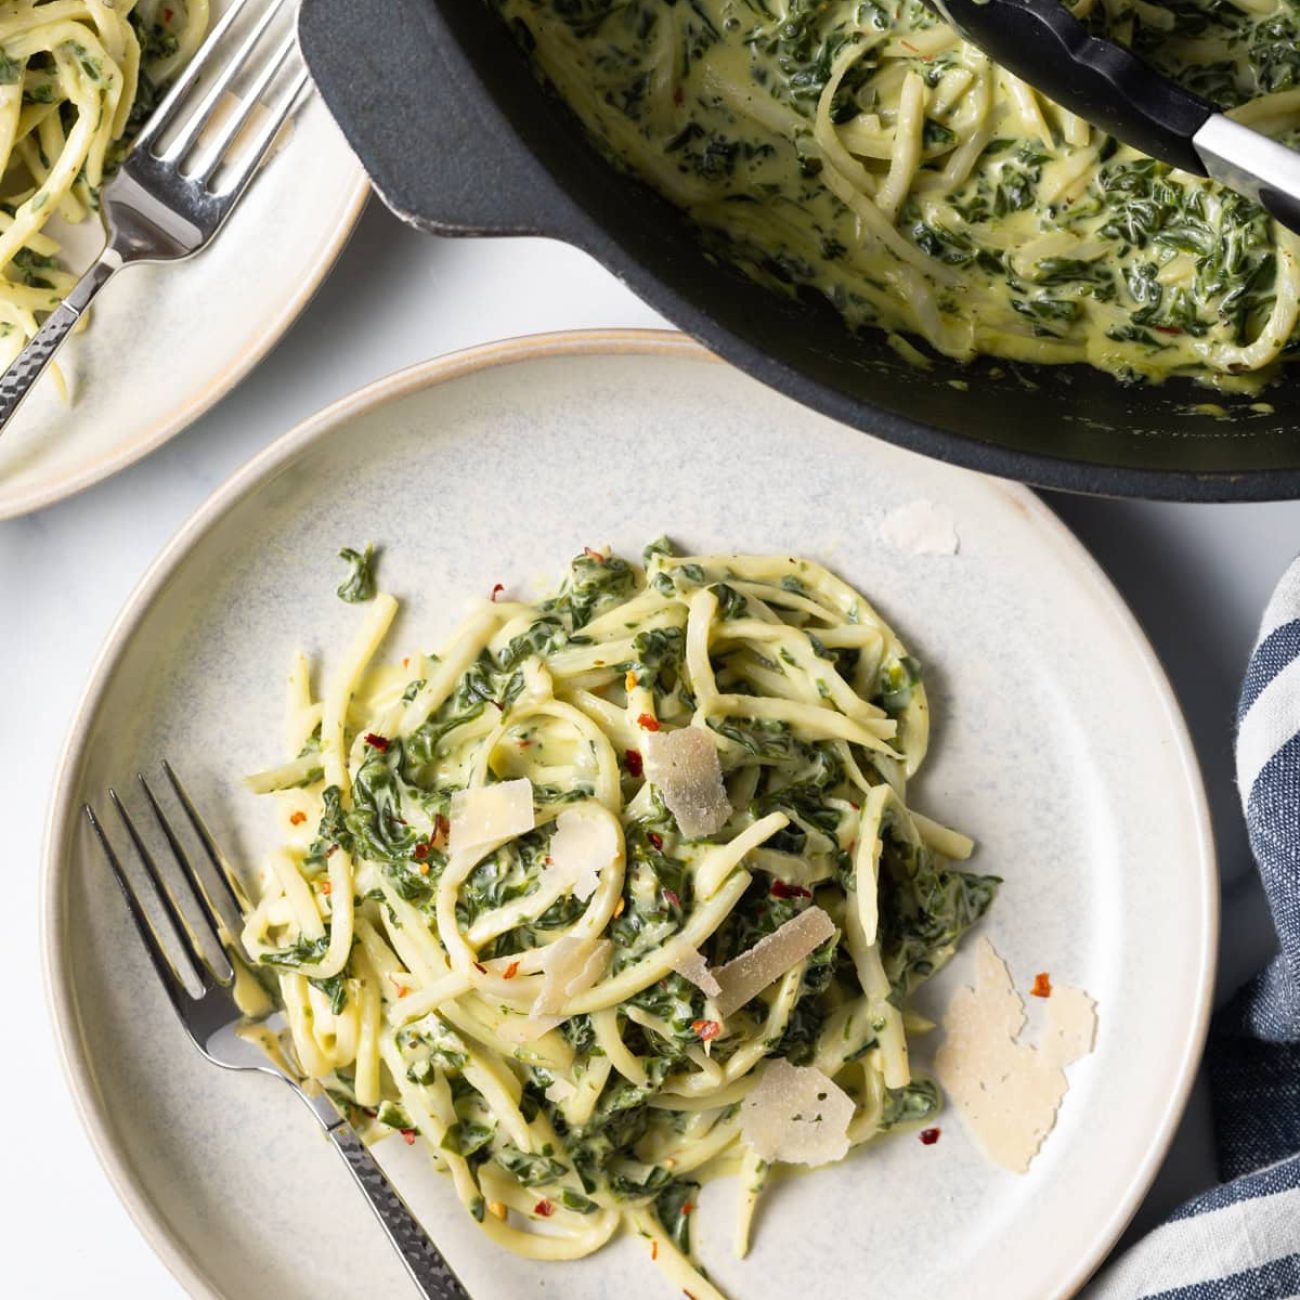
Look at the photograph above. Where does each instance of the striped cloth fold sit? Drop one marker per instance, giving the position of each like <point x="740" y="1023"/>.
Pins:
<point x="1241" y="1241"/>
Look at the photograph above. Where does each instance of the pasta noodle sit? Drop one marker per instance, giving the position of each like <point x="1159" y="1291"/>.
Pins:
<point x="490" y="932"/>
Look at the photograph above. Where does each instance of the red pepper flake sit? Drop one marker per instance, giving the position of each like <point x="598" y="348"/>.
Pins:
<point x="593" y="555"/>
<point x="510" y="971"/>
<point x="406" y="662"/>
<point x="654" y="1249"/>
<point x="441" y="829"/>
<point x="781" y="889"/>
<point x="544" y="1208"/>
<point x="1042" y="985"/>
<point x="376" y="742"/>
<point x="647" y="722"/>
<point x="408" y="1136"/>
<point x="326" y="887"/>
<point x="929" y="1136"/>
<point x="297" y="819"/>
<point x="688" y="1208"/>
<point x="632" y="761"/>
<point x="482" y="970"/>
<point x="497" y="590"/>
<point x="1167" y="329"/>
<point x="704" y="1030"/>
<point x="656" y="840"/>
<point x="420" y="852"/>
<point x="671" y="896"/>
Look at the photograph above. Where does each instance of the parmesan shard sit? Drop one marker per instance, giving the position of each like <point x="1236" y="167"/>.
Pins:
<point x="487" y="814"/>
<point x="560" y="1090"/>
<point x="1007" y="1091"/>
<point x="1071" y="1026"/>
<point x="584" y="844"/>
<point x="921" y="527"/>
<point x="689" y="963"/>
<point x="796" y="1115"/>
<point x="570" y="966"/>
<point x="684" y="765"/>
<point x="755" y="969"/>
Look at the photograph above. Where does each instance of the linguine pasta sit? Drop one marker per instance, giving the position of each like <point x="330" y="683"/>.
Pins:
<point x="75" y="77"/>
<point x="862" y="149"/>
<point x="588" y="901"/>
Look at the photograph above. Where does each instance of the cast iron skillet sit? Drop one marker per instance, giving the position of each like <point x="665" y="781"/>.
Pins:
<point x="460" y="139"/>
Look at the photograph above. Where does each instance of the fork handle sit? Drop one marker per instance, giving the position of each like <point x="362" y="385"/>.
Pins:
<point x="424" y="1262"/>
<point x="31" y="362"/>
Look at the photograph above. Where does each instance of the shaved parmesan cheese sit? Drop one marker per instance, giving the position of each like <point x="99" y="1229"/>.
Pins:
<point x="560" y="1090"/>
<point x="569" y="966"/>
<point x="921" y="527"/>
<point x="684" y="765"/>
<point x="690" y="964"/>
<point x="1007" y="1091"/>
<point x="487" y="814"/>
<point x="796" y="1115"/>
<point x="1071" y="1026"/>
<point x="584" y="844"/>
<point x="770" y="958"/>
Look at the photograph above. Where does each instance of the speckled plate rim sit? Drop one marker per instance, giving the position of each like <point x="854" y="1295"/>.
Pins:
<point x="63" y="813"/>
<point x="153" y="436"/>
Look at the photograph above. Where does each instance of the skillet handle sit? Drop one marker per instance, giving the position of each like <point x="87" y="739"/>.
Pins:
<point x="438" y="151"/>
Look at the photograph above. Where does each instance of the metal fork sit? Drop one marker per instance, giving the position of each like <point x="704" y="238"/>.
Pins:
<point x="153" y="210"/>
<point x="212" y="1017"/>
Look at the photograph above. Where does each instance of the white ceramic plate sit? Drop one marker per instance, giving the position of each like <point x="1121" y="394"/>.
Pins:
<point x="1058" y="744"/>
<point x="166" y="342"/>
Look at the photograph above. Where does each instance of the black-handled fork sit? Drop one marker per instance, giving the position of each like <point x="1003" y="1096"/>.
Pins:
<point x="212" y="1017"/>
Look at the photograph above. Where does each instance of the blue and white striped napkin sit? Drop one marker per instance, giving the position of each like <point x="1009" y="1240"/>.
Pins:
<point x="1241" y="1241"/>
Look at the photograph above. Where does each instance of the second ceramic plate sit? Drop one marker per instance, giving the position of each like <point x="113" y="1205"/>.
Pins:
<point x="163" y="343"/>
<point x="1058" y="745"/>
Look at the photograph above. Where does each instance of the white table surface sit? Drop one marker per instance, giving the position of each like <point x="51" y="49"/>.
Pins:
<point x="1198" y="577"/>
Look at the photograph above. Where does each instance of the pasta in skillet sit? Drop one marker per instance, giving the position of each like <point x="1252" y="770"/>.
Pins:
<point x="862" y="149"/>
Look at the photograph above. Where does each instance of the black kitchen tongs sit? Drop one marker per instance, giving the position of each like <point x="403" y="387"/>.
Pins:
<point x="1044" y="44"/>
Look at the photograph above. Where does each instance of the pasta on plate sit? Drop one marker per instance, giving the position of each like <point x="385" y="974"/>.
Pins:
<point x="619" y="891"/>
<point x="76" y="78"/>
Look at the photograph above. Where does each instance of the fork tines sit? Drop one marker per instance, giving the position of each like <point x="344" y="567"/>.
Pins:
<point x="201" y="931"/>
<point x="189" y="132"/>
